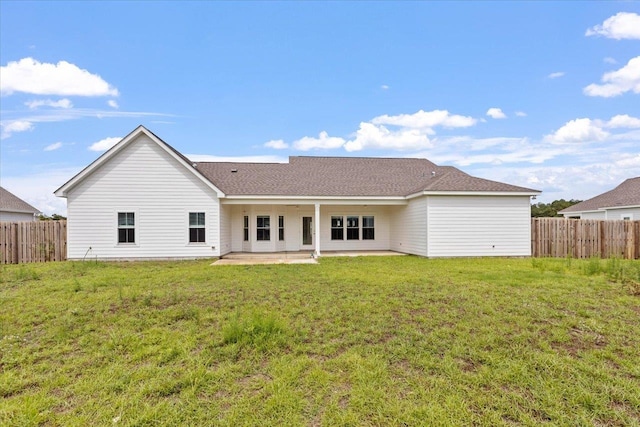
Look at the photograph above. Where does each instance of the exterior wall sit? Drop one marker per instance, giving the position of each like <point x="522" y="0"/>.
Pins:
<point x="16" y="216"/>
<point x="633" y="213"/>
<point x="146" y="180"/>
<point x="293" y="228"/>
<point x="225" y="229"/>
<point x="479" y="226"/>
<point x="593" y="215"/>
<point x="408" y="227"/>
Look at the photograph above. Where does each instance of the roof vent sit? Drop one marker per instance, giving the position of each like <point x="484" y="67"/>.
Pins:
<point x="234" y="170"/>
<point x="433" y="173"/>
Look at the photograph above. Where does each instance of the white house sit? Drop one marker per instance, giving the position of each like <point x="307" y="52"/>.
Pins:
<point x="143" y="199"/>
<point x="623" y="202"/>
<point x="14" y="209"/>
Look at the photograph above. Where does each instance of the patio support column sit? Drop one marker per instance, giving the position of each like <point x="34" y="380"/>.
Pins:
<point x="317" y="229"/>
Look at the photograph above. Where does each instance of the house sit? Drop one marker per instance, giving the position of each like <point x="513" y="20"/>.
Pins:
<point x="14" y="209"/>
<point x="623" y="202"/>
<point x="143" y="199"/>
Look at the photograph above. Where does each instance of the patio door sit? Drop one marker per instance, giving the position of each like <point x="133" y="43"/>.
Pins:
<point x="307" y="231"/>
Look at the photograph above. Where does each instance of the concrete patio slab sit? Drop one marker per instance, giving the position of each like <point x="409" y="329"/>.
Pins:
<point x="248" y="258"/>
<point x="264" y="261"/>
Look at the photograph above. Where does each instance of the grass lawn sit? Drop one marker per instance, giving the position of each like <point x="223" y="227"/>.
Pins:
<point x="399" y="341"/>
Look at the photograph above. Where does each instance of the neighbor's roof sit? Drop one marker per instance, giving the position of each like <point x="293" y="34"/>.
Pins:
<point x="345" y="176"/>
<point x="625" y="194"/>
<point x="9" y="202"/>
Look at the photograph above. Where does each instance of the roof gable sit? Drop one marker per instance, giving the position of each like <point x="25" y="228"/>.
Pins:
<point x="9" y="202"/>
<point x="126" y="141"/>
<point x="625" y="194"/>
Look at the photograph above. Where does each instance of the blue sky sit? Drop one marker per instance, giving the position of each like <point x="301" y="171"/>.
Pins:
<point x="540" y="94"/>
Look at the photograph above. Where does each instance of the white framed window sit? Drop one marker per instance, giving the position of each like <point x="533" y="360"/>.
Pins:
<point x="246" y="228"/>
<point x="263" y="227"/>
<point x="126" y="227"/>
<point x="281" y="228"/>
<point x="337" y="228"/>
<point x="197" y="232"/>
<point x="353" y="228"/>
<point x="627" y="217"/>
<point x="368" y="228"/>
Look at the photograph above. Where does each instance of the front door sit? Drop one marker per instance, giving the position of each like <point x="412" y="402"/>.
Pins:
<point x="307" y="230"/>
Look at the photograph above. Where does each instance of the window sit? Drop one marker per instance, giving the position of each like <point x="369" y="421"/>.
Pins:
<point x="196" y="227"/>
<point x="126" y="227"/>
<point x="246" y="228"/>
<point x="263" y="229"/>
<point x="280" y="228"/>
<point x="337" y="230"/>
<point x="368" y="229"/>
<point x="353" y="228"/>
<point x="626" y="217"/>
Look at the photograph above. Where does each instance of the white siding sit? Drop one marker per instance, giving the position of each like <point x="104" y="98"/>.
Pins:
<point x="593" y="215"/>
<point x="618" y="214"/>
<point x="479" y="226"/>
<point x="146" y="180"/>
<point x="16" y="217"/>
<point x="381" y="228"/>
<point x="408" y="230"/>
<point x="225" y="229"/>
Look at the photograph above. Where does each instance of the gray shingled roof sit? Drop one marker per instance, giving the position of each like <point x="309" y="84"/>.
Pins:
<point x="9" y="202"/>
<point x="344" y="176"/>
<point x="625" y="194"/>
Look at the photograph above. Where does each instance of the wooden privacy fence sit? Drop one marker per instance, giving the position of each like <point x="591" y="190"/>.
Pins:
<point x="585" y="238"/>
<point x="34" y="241"/>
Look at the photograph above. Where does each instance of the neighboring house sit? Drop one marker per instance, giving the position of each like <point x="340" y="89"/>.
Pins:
<point x="143" y="199"/>
<point x="14" y="209"/>
<point x="623" y="202"/>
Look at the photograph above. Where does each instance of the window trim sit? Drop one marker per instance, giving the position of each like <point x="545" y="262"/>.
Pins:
<point x="342" y="232"/>
<point x="126" y="227"/>
<point x="339" y="228"/>
<point x="372" y="227"/>
<point x="351" y="229"/>
<point x="281" y="228"/>
<point x="263" y="230"/>
<point x="202" y="227"/>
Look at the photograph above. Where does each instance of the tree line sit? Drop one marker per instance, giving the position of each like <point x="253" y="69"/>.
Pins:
<point x="551" y="209"/>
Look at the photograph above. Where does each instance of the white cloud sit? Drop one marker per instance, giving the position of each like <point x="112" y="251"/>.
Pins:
<point x="618" y="82"/>
<point x="426" y="120"/>
<point x="578" y="130"/>
<point x="277" y="144"/>
<point x="236" y="159"/>
<point x="556" y="74"/>
<point x="37" y="188"/>
<point x="14" y="126"/>
<point x="496" y="113"/>
<point x="104" y="144"/>
<point x="65" y="79"/>
<point x="322" y="142"/>
<point x="623" y="25"/>
<point x="521" y="114"/>
<point x="623" y="121"/>
<point x="62" y="103"/>
<point x="384" y="87"/>
<point x="609" y="60"/>
<point x="53" y="146"/>
<point x="112" y="103"/>
<point x="370" y="135"/>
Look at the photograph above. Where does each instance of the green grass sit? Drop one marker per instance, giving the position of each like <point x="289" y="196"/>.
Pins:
<point x="351" y="341"/>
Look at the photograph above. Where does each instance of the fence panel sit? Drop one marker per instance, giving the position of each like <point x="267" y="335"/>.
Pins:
<point x="33" y="241"/>
<point x="585" y="238"/>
